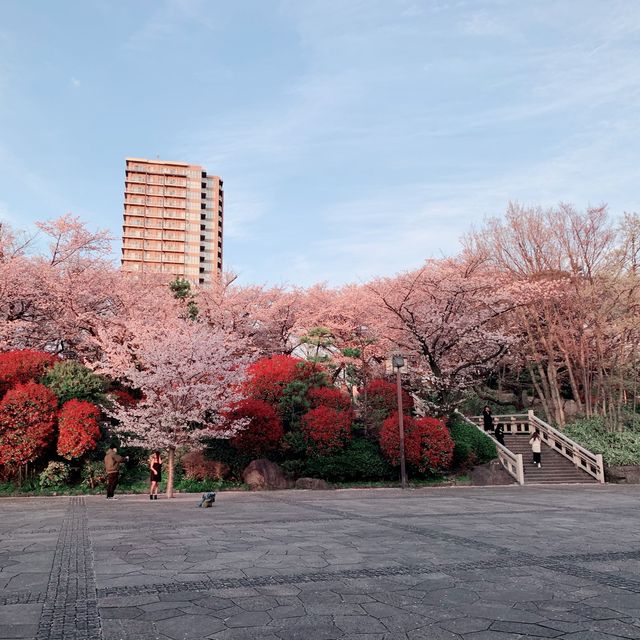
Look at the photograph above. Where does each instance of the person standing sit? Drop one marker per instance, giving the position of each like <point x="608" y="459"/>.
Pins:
<point x="536" y="448"/>
<point x="487" y="419"/>
<point x="155" y="466"/>
<point x="112" y="462"/>
<point x="499" y="434"/>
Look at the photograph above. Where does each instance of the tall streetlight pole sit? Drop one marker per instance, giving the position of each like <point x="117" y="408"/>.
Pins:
<point x="398" y="362"/>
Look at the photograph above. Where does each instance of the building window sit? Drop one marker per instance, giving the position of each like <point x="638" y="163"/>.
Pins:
<point x="202" y="238"/>
<point x="203" y="227"/>
<point x="203" y="216"/>
<point x="204" y="174"/>
<point x="203" y="185"/>
<point x="201" y="258"/>
<point x="201" y="280"/>
<point x="201" y="248"/>
<point x="203" y="195"/>
<point x="201" y="269"/>
<point x="203" y="205"/>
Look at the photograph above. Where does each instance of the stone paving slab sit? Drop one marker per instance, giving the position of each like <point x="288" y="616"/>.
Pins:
<point x="439" y="563"/>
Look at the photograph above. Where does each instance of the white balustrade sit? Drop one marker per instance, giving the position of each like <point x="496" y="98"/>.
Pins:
<point x="526" y="423"/>
<point x="582" y="458"/>
<point x="512" y="462"/>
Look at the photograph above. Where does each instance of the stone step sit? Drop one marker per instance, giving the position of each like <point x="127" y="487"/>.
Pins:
<point x="555" y="467"/>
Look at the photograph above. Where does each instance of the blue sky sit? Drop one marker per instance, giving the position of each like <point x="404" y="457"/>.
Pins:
<point x="355" y="137"/>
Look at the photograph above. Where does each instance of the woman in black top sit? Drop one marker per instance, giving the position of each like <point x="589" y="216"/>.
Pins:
<point x="487" y="418"/>
<point x="499" y="434"/>
<point x="155" y="465"/>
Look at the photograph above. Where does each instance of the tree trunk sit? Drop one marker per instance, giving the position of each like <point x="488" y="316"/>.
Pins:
<point x="170" y="474"/>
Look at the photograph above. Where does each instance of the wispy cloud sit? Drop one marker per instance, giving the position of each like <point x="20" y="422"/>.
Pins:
<point x="246" y="211"/>
<point x="426" y="98"/>
<point x="169" y="19"/>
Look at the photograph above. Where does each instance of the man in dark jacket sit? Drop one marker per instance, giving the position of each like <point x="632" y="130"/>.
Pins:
<point x="112" y="462"/>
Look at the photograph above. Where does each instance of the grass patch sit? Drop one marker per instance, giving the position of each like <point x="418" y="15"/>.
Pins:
<point x="135" y="487"/>
<point x="436" y="481"/>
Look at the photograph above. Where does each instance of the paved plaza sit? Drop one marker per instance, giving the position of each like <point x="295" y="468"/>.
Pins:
<point x="436" y="564"/>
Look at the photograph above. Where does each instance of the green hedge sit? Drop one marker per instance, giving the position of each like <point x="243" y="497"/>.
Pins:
<point x="361" y="459"/>
<point x="471" y="445"/>
<point x="616" y="447"/>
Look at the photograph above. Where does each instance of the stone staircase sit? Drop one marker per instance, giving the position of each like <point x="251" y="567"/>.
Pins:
<point x="556" y="469"/>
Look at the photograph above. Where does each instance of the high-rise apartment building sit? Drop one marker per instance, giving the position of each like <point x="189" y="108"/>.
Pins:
<point x="172" y="220"/>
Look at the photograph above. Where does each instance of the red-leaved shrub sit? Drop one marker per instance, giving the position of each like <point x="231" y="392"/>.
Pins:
<point x="427" y="443"/>
<point x="326" y="429"/>
<point x="384" y="395"/>
<point x="328" y="397"/>
<point x="382" y="401"/>
<point x="27" y="422"/>
<point x="197" y="467"/>
<point x="263" y="431"/>
<point x="124" y="398"/>
<point x="267" y="377"/>
<point x="21" y="366"/>
<point x="78" y="430"/>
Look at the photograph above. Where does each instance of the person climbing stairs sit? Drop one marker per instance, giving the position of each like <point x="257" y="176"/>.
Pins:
<point x="555" y="469"/>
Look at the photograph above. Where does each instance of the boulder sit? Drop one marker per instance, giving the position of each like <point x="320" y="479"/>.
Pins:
<point x="623" y="474"/>
<point x="311" y="483"/>
<point x="490" y="474"/>
<point x="264" y="474"/>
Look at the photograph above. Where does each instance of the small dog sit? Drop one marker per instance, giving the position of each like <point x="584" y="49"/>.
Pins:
<point x="207" y="500"/>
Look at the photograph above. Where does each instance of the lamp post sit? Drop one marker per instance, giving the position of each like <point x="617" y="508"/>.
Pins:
<point x="398" y="362"/>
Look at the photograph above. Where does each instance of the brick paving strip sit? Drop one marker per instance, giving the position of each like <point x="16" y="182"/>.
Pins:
<point x="553" y="563"/>
<point x="24" y="597"/>
<point x="70" y="610"/>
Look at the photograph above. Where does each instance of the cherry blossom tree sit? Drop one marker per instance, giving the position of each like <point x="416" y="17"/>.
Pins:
<point x="445" y="318"/>
<point x="50" y="301"/>
<point x="268" y="319"/>
<point x="574" y="335"/>
<point x="187" y="374"/>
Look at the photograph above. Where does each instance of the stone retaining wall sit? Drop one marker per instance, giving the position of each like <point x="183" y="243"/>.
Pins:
<point x="623" y="474"/>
